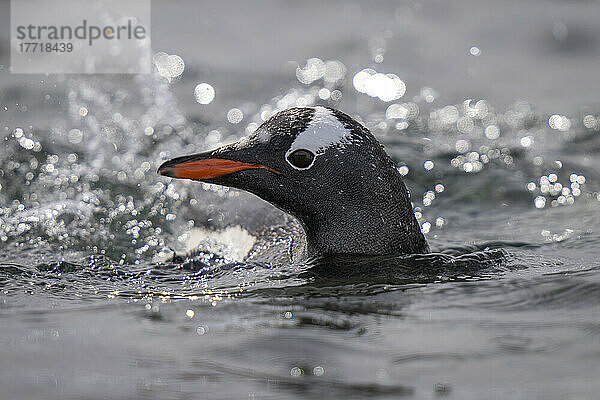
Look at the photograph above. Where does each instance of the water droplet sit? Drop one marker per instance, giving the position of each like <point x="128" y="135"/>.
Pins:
<point x="386" y="87"/>
<point x="590" y="122"/>
<point x="324" y="94"/>
<point x="539" y="202"/>
<point x="475" y="51"/>
<point x="425" y="227"/>
<point x="168" y="66"/>
<point x="336" y="95"/>
<point x="75" y="136"/>
<point x="462" y="146"/>
<point x="204" y="93"/>
<point x="526" y="141"/>
<point x="235" y="116"/>
<point x="559" y="122"/>
<point x="201" y="330"/>
<point x="26" y="143"/>
<point x="313" y="70"/>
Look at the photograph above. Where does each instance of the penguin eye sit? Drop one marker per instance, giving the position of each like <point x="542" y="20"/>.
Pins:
<point x="301" y="159"/>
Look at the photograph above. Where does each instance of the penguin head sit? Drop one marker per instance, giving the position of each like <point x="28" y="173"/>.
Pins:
<point x="306" y="161"/>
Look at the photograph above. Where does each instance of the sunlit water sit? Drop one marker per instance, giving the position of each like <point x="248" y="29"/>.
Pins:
<point x="93" y="304"/>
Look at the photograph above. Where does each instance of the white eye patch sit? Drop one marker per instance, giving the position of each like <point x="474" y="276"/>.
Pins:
<point x="323" y="131"/>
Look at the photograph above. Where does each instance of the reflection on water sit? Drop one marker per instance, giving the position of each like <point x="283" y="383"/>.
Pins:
<point x="118" y="283"/>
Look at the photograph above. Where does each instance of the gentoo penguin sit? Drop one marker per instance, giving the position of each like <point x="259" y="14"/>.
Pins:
<point x="325" y="169"/>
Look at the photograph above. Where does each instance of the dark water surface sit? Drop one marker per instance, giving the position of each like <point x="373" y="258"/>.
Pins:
<point x="507" y="194"/>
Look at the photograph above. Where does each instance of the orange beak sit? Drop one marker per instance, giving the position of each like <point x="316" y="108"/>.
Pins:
<point x="205" y="169"/>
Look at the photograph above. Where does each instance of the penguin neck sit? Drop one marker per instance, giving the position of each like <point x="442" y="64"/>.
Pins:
<point x="381" y="223"/>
